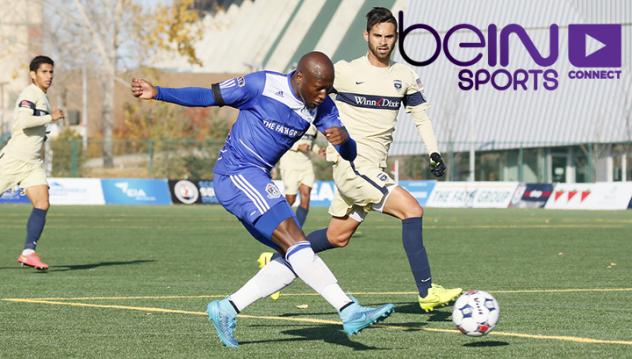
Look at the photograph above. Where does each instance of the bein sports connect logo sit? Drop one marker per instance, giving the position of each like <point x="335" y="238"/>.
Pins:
<point x="595" y="48"/>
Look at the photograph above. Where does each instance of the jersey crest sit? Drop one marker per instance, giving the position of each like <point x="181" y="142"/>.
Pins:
<point x="27" y="104"/>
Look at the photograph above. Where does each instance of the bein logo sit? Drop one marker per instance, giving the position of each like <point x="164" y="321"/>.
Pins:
<point x="590" y="46"/>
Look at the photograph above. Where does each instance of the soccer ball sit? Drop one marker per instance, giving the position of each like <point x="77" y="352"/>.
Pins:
<point x="475" y="313"/>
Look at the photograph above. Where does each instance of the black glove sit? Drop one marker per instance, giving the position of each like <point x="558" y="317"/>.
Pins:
<point x="437" y="166"/>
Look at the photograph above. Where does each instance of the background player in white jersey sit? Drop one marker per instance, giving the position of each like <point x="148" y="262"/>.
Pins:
<point x="297" y="172"/>
<point x="21" y="161"/>
<point x="369" y="93"/>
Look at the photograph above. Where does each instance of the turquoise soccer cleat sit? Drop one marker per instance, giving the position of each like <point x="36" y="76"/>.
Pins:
<point x="356" y="317"/>
<point x="224" y="318"/>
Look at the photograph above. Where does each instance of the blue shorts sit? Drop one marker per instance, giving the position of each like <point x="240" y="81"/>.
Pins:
<point x="255" y="200"/>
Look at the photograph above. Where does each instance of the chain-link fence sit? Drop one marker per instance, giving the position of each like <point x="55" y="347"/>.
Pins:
<point x="524" y="161"/>
<point x="136" y="159"/>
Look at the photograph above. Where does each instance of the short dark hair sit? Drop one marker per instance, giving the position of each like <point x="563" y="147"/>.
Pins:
<point x="378" y="15"/>
<point x="38" y="60"/>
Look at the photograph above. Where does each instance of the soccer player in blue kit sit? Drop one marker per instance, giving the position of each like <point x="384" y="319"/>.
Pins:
<point x="275" y="110"/>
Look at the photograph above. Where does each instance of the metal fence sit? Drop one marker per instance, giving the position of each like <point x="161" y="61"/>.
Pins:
<point x="519" y="161"/>
<point x="173" y="158"/>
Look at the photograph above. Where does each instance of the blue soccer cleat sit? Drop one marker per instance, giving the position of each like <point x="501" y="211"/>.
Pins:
<point x="356" y="317"/>
<point x="224" y="318"/>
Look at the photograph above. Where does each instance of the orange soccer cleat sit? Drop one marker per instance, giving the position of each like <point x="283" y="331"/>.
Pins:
<point x="32" y="260"/>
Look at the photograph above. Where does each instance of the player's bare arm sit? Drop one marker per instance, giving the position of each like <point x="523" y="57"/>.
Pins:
<point x="143" y="89"/>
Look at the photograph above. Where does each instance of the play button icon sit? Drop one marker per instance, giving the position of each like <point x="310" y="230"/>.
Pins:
<point x="594" y="45"/>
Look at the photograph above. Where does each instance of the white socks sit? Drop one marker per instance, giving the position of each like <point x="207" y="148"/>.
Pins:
<point x="26" y="252"/>
<point x="270" y="279"/>
<point x="276" y="275"/>
<point x="315" y="273"/>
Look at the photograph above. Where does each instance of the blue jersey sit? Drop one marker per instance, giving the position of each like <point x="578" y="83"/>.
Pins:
<point x="270" y="120"/>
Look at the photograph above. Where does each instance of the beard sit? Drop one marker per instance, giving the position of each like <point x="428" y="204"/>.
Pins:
<point x="381" y="56"/>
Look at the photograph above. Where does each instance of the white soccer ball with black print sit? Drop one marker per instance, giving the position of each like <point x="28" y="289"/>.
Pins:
<point x="475" y="313"/>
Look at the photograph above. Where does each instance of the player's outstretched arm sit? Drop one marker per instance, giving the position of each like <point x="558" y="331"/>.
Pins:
<point x="186" y="96"/>
<point x="344" y="144"/>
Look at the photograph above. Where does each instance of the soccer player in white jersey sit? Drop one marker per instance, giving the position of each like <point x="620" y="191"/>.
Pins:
<point x="21" y="159"/>
<point x="370" y="91"/>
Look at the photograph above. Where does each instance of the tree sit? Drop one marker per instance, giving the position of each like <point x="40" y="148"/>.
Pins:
<point x="182" y="142"/>
<point x="67" y="153"/>
<point x="108" y="36"/>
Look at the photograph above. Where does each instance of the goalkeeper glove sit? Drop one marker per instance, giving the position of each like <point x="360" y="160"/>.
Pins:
<point x="437" y="166"/>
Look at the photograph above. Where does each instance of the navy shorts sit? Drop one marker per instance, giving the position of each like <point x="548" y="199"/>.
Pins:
<point x="255" y="200"/>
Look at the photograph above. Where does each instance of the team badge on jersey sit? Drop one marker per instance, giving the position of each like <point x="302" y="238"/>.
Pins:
<point x="273" y="191"/>
<point x="27" y="104"/>
<point x="397" y="84"/>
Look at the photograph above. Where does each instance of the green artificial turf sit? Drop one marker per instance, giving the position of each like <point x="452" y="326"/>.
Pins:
<point x="133" y="282"/>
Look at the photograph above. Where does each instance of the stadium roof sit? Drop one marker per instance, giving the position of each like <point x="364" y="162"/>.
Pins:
<point x="273" y="34"/>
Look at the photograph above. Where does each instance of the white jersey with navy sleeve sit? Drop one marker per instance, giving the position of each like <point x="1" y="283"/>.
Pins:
<point x="28" y="131"/>
<point x="369" y="99"/>
<point x="270" y="120"/>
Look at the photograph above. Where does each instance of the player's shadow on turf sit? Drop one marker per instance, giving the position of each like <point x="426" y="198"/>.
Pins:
<point x="301" y="314"/>
<point x="485" y="344"/>
<point x="67" y="267"/>
<point x="327" y="333"/>
<point x="413" y="308"/>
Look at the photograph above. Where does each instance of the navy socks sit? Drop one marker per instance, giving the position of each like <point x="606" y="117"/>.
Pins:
<point x="34" y="228"/>
<point x="301" y="215"/>
<point x="318" y="240"/>
<point x="417" y="257"/>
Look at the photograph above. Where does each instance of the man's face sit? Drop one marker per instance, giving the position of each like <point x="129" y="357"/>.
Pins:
<point x="43" y="77"/>
<point x="314" y="89"/>
<point x="381" y="40"/>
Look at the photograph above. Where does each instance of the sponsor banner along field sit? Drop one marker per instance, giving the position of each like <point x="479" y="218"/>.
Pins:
<point x="94" y="191"/>
<point x="72" y="191"/>
<point x="136" y="191"/>
<point x="531" y="195"/>
<point x="14" y="195"/>
<point x="472" y="194"/>
<point x="192" y="192"/>
<point x="601" y="195"/>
